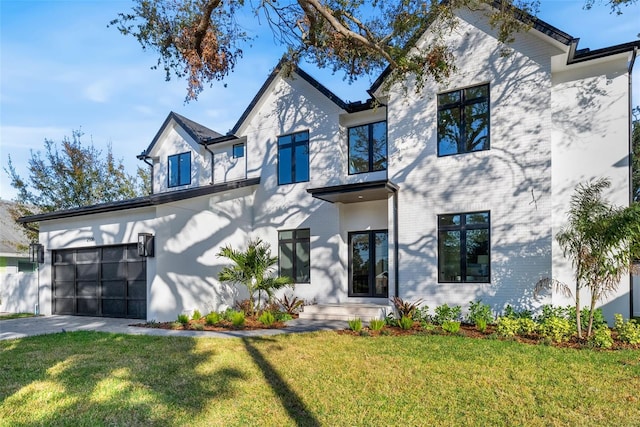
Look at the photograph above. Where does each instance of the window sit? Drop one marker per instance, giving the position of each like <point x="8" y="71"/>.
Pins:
<point x="463" y="247"/>
<point x="463" y="121"/>
<point x="293" y="254"/>
<point x="293" y="158"/>
<point x="238" y="151"/>
<point x="180" y="169"/>
<point x="25" y="267"/>
<point x="368" y="148"/>
<point x="369" y="264"/>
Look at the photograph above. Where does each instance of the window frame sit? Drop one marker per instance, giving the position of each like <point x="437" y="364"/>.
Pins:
<point x="294" y="240"/>
<point x="371" y="268"/>
<point x="233" y="151"/>
<point x="463" y="227"/>
<point x="178" y="156"/>
<point x="293" y="144"/>
<point x="369" y="147"/>
<point x="461" y="104"/>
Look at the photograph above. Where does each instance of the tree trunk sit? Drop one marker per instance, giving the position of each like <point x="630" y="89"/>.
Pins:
<point x="594" y="299"/>
<point x="578" y="317"/>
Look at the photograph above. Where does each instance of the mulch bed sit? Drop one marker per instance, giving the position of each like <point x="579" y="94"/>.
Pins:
<point x="250" y="323"/>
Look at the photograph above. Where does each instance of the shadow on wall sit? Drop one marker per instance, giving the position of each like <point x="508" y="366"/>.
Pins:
<point x="18" y="292"/>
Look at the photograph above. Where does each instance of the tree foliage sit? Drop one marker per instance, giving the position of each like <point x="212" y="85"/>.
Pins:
<point x="73" y="175"/>
<point x="601" y="241"/>
<point x="253" y="268"/>
<point x="203" y="40"/>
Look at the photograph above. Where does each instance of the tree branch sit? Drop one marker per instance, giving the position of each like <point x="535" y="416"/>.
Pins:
<point x="203" y="25"/>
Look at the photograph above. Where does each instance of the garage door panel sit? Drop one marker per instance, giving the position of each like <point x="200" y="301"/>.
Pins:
<point x="103" y="281"/>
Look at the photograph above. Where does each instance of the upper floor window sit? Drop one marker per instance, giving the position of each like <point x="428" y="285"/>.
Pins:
<point x="293" y="158"/>
<point x="463" y="247"/>
<point x="463" y="120"/>
<point x="238" y="151"/>
<point x="368" y="148"/>
<point x="180" y="169"/>
<point x="293" y="254"/>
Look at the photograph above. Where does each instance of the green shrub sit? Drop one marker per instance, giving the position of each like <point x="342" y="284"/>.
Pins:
<point x="479" y="312"/>
<point x="598" y="317"/>
<point x="556" y="329"/>
<point x="451" y="326"/>
<point x="212" y="318"/>
<point x="245" y="306"/>
<point x="183" y="319"/>
<point x="291" y="305"/>
<point x="601" y="337"/>
<point x="628" y="331"/>
<point x="355" y="324"/>
<point x="283" y="317"/>
<point x="237" y="318"/>
<point x="509" y="311"/>
<point x="507" y="326"/>
<point x="196" y="326"/>
<point x="405" y="308"/>
<point x="196" y="315"/>
<point x="444" y="313"/>
<point x="526" y="326"/>
<point x="421" y="315"/>
<point x="481" y="325"/>
<point x="376" y="324"/>
<point x="267" y="318"/>
<point x="390" y="320"/>
<point x="365" y="333"/>
<point x="405" y="322"/>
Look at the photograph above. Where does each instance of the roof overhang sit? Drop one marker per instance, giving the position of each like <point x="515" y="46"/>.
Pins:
<point x="355" y="193"/>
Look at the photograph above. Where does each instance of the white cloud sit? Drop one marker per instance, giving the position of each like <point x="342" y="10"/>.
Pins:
<point x="99" y="91"/>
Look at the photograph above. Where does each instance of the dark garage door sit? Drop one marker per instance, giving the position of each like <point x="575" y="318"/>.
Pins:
<point x="108" y="281"/>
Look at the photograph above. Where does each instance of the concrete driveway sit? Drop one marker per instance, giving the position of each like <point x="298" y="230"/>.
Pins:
<point x="20" y="328"/>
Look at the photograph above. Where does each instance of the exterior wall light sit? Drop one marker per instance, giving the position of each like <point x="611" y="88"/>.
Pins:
<point x="145" y="245"/>
<point x="36" y="253"/>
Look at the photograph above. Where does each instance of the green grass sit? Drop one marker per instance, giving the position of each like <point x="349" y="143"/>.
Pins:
<point x="324" y="378"/>
<point x="15" y="316"/>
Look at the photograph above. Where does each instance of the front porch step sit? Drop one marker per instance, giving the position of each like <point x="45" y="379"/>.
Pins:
<point x="346" y="311"/>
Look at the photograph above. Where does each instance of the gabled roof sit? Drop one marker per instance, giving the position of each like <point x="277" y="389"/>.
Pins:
<point x="141" y="202"/>
<point x="201" y="134"/>
<point x="349" y="107"/>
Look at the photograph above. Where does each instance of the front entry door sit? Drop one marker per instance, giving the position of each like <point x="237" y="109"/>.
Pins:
<point x="369" y="264"/>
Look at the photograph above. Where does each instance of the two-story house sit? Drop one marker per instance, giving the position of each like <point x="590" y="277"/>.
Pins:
<point x="453" y="194"/>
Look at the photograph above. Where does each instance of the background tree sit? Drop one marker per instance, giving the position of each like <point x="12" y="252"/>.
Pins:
<point x="203" y="39"/>
<point x="254" y="269"/>
<point x="72" y="176"/>
<point x="601" y="241"/>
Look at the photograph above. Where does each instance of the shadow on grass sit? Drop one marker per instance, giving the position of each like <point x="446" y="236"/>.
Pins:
<point x="292" y="403"/>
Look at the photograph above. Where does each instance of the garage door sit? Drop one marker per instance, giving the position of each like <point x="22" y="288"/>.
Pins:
<point x="108" y="281"/>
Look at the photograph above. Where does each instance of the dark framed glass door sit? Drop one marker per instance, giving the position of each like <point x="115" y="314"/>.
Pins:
<point x="369" y="264"/>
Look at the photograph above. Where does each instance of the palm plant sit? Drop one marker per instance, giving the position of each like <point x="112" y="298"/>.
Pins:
<point x="601" y="241"/>
<point x="253" y="268"/>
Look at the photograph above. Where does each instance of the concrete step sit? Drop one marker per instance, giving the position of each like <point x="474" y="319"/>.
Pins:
<point x="346" y="311"/>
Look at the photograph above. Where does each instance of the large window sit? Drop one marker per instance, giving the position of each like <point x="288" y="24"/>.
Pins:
<point x="369" y="264"/>
<point x="180" y="169"/>
<point x="368" y="148"/>
<point x="463" y="121"/>
<point x="293" y="254"/>
<point x="464" y="247"/>
<point x="293" y="158"/>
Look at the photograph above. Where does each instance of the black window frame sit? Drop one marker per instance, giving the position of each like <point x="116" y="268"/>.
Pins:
<point x="463" y="227"/>
<point x="235" y="156"/>
<point x="294" y="167"/>
<point x="372" y="267"/>
<point x="179" y="183"/>
<point x="294" y="240"/>
<point x="370" y="165"/>
<point x="461" y="104"/>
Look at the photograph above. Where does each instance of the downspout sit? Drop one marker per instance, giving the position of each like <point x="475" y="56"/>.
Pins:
<point x="631" y="62"/>
<point x="206" y="147"/>
<point x="396" y="244"/>
<point x="144" y="159"/>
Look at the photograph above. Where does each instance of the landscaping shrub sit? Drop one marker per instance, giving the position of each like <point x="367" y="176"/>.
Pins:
<point x="245" y="306"/>
<point x="601" y="337"/>
<point x="355" y="324"/>
<point x="237" y="318"/>
<point x="507" y="326"/>
<point x="510" y="312"/>
<point x="479" y="311"/>
<point x="212" y="318"/>
<point x="526" y="326"/>
<point x="421" y="315"/>
<point x="405" y="322"/>
<point x="481" y="325"/>
<point x="183" y="319"/>
<point x="598" y="317"/>
<point x="628" y="331"/>
<point x="444" y="313"/>
<point x="453" y="327"/>
<point x="267" y="318"/>
<point x="405" y="308"/>
<point x="390" y="320"/>
<point x="283" y="317"/>
<point x="556" y="329"/>
<point x="196" y="315"/>
<point x="291" y="305"/>
<point x="376" y="324"/>
<point x="196" y="326"/>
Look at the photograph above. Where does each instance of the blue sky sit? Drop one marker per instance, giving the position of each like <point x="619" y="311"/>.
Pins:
<point x="62" y="69"/>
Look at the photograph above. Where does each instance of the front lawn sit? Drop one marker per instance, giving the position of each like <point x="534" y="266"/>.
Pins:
<point x="324" y="378"/>
<point x="10" y="316"/>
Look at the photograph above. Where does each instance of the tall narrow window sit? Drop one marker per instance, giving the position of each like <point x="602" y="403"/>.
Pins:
<point x="463" y="121"/>
<point x="368" y="148"/>
<point x="293" y="158"/>
<point x="293" y="254"/>
<point x="180" y="169"/>
<point x="464" y="247"/>
<point x="369" y="264"/>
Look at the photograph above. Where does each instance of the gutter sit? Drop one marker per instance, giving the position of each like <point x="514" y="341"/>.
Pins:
<point x="206" y="147"/>
<point x="144" y="157"/>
